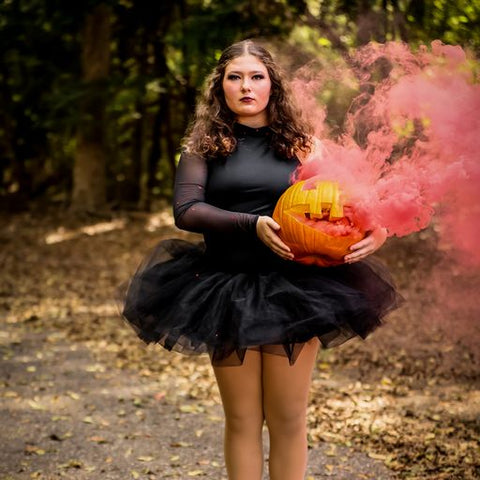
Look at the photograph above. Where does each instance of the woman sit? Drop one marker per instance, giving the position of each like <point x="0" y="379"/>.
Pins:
<point x="240" y="297"/>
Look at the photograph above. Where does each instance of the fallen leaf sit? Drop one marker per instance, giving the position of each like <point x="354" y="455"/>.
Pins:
<point x="180" y="444"/>
<point x="36" y="405"/>
<point x="332" y="451"/>
<point x="159" y="396"/>
<point x="98" y="439"/>
<point x="72" y="463"/>
<point x="377" y="456"/>
<point x="29" y="449"/>
<point x="145" y="458"/>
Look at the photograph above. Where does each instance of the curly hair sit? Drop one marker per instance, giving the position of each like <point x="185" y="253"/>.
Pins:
<point x="211" y="132"/>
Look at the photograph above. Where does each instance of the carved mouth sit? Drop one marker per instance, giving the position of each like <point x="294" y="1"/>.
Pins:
<point x="322" y="221"/>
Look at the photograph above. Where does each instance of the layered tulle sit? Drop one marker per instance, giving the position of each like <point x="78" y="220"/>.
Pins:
<point x="182" y="299"/>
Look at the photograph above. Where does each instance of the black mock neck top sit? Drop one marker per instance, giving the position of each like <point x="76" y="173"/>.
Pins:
<point x="222" y="198"/>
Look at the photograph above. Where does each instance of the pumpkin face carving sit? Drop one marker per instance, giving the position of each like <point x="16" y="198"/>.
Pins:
<point x="315" y="224"/>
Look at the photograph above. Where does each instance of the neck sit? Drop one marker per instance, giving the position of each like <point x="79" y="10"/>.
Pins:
<point x="253" y="122"/>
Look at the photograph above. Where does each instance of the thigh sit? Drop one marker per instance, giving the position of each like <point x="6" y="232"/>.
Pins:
<point x="241" y="388"/>
<point x="286" y="387"/>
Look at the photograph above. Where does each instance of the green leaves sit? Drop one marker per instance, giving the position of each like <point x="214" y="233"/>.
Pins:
<point x="160" y="54"/>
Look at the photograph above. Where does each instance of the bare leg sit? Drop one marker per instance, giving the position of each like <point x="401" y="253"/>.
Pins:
<point x="241" y="391"/>
<point x="285" y="396"/>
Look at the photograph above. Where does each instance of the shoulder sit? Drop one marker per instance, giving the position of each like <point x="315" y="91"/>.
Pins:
<point x="186" y="155"/>
<point x="191" y="162"/>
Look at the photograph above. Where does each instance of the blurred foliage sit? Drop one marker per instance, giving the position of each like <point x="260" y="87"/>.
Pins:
<point x="160" y="54"/>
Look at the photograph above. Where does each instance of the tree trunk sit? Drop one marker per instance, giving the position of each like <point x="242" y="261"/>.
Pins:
<point x="89" y="172"/>
<point x="399" y="21"/>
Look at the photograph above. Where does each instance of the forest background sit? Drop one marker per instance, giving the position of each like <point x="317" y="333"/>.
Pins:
<point x="96" y="96"/>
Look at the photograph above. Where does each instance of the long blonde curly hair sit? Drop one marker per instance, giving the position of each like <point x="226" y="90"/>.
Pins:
<point x="211" y="132"/>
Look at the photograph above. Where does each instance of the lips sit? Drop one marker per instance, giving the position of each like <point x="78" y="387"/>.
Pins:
<point x="247" y="99"/>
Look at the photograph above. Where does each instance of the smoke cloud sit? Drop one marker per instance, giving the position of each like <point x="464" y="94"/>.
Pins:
<point x="409" y="151"/>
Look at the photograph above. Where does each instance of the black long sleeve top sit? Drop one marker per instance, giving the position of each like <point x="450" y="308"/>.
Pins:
<point x="223" y="198"/>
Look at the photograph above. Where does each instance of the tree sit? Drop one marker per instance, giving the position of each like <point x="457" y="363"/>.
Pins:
<point x="89" y="180"/>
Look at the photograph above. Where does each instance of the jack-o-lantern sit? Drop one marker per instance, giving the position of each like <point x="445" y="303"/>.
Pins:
<point x="315" y="224"/>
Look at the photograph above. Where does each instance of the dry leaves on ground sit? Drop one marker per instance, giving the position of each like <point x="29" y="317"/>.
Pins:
<point x="408" y="396"/>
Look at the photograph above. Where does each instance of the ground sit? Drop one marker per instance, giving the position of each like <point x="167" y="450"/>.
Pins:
<point x="82" y="398"/>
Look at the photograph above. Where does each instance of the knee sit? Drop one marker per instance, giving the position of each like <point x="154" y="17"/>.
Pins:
<point x="243" y="423"/>
<point x="287" y="422"/>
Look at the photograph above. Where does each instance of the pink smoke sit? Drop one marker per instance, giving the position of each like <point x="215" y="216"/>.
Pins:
<point x="410" y="153"/>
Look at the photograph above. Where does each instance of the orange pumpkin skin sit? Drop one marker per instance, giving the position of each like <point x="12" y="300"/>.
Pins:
<point x="297" y="212"/>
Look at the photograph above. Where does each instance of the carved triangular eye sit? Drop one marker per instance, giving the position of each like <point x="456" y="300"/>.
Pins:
<point x="315" y="224"/>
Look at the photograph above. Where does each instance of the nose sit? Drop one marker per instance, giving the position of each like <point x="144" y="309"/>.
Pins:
<point x="245" y="85"/>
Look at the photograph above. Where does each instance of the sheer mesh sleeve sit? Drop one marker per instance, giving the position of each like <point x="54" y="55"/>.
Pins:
<point x="190" y="210"/>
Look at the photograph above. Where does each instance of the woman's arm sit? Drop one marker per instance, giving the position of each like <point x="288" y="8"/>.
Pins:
<point x="190" y="210"/>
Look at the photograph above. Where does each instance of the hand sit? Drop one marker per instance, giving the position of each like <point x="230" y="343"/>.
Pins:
<point x="267" y="229"/>
<point x="372" y="242"/>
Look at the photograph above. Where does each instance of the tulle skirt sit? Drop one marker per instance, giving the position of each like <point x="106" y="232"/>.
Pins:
<point x="183" y="299"/>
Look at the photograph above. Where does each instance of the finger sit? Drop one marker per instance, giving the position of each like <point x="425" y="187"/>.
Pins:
<point x="285" y="256"/>
<point x="280" y="245"/>
<point x="352" y="259"/>
<point x="356" y="256"/>
<point x="274" y="240"/>
<point x="282" y="253"/>
<point x="282" y="250"/>
<point x="366" y="242"/>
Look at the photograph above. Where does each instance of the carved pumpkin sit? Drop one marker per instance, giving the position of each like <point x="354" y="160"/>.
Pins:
<point x="315" y="224"/>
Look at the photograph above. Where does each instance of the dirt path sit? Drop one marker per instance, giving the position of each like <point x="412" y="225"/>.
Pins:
<point x="67" y="415"/>
<point x="82" y="398"/>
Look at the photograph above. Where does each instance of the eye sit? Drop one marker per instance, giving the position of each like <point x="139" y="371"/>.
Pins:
<point x="233" y="76"/>
<point x="258" y="76"/>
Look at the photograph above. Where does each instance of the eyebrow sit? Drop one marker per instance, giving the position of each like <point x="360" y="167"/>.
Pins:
<point x="253" y="72"/>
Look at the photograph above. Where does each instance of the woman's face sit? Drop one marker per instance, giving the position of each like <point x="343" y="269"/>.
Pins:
<point x="246" y="85"/>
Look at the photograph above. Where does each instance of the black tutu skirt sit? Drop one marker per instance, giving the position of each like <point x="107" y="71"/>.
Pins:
<point x="184" y="300"/>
